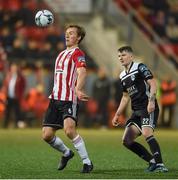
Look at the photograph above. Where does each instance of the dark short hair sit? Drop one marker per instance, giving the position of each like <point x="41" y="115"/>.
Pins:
<point x="80" y="31"/>
<point x="125" y="48"/>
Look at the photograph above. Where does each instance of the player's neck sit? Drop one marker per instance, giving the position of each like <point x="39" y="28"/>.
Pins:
<point x="127" y="67"/>
<point x="72" y="47"/>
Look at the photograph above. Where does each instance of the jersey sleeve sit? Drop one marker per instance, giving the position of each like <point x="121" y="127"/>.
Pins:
<point x="79" y="59"/>
<point x="123" y="88"/>
<point x="145" y="72"/>
<point x="122" y="83"/>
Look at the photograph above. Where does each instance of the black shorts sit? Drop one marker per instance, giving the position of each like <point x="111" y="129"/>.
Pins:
<point x="141" y="119"/>
<point x="58" y="111"/>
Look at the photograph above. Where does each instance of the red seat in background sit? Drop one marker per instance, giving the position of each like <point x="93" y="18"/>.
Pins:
<point x="36" y="33"/>
<point x="13" y="5"/>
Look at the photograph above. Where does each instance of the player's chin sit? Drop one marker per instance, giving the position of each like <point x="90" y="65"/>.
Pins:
<point x="150" y="111"/>
<point x="83" y="99"/>
<point x="68" y="44"/>
<point x="115" y="124"/>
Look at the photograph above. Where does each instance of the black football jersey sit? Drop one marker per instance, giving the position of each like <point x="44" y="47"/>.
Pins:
<point x="134" y="82"/>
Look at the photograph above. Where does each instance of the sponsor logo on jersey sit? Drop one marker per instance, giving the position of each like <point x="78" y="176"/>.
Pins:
<point x="132" y="90"/>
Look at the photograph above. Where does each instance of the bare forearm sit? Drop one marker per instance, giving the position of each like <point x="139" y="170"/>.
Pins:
<point x="153" y="90"/>
<point x="81" y="79"/>
<point x="122" y="106"/>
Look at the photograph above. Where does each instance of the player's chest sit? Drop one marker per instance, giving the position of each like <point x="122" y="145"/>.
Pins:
<point x="131" y="83"/>
<point x="131" y="79"/>
<point x="63" y="62"/>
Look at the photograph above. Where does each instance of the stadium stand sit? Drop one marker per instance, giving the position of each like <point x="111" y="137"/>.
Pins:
<point x="161" y="16"/>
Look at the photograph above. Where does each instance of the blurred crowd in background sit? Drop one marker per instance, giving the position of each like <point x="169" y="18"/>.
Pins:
<point x="27" y="56"/>
<point x="162" y="17"/>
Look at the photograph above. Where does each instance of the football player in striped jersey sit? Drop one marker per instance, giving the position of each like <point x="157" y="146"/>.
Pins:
<point x="69" y="81"/>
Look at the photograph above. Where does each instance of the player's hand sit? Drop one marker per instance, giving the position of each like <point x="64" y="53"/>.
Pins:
<point x="82" y="96"/>
<point x="115" y="120"/>
<point x="151" y="106"/>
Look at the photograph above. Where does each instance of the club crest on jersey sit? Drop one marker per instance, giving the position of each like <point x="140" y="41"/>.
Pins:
<point x="81" y="59"/>
<point x="132" y="77"/>
<point x="143" y="68"/>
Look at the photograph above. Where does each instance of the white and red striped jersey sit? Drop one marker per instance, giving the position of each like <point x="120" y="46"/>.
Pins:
<point x="65" y="74"/>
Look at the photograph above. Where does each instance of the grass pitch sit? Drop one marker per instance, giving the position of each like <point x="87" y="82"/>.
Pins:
<point x="23" y="155"/>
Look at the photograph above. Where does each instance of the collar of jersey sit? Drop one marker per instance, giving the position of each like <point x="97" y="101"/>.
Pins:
<point x="127" y="72"/>
<point x="72" y="49"/>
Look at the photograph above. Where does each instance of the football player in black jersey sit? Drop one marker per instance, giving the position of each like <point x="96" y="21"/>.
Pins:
<point x="139" y="85"/>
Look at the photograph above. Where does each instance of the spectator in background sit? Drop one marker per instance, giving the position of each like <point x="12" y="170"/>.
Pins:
<point x="6" y="19"/>
<point x="168" y="100"/>
<point x="101" y="93"/>
<point x="156" y="5"/>
<point x="7" y="38"/>
<point x="32" y="50"/>
<point x="54" y="36"/>
<point x="14" y="87"/>
<point x="60" y="46"/>
<point x="117" y="95"/>
<point x="17" y="50"/>
<point x="46" y="53"/>
<point x="173" y="11"/>
<point x="3" y="64"/>
<point x="117" y="91"/>
<point x="172" y="30"/>
<point x="90" y="80"/>
<point x="160" y="24"/>
<point x="91" y="107"/>
<point x="25" y="14"/>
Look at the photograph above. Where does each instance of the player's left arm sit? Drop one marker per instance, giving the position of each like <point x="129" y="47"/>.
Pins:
<point x="152" y="97"/>
<point x="148" y="77"/>
<point x="82" y="73"/>
<point x="79" y="59"/>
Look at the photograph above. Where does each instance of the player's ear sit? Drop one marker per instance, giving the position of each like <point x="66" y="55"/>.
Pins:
<point x="79" y="38"/>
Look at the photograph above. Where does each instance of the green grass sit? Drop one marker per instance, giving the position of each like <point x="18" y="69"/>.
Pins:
<point x="24" y="155"/>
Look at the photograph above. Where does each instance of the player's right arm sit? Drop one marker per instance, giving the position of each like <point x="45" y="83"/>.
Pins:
<point x="124" y="101"/>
